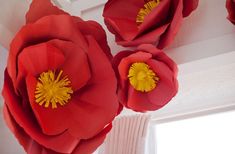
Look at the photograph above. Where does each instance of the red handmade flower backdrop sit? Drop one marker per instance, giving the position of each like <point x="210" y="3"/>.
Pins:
<point x="54" y="40"/>
<point x="63" y="88"/>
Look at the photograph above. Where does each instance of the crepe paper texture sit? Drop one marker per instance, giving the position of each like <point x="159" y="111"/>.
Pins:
<point x="230" y="5"/>
<point x="59" y="87"/>
<point x="147" y="78"/>
<point x="134" y="22"/>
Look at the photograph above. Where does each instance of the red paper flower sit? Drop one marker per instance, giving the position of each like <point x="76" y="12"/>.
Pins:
<point x="134" y="22"/>
<point x="147" y="78"/>
<point x="230" y="5"/>
<point x="59" y="88"/>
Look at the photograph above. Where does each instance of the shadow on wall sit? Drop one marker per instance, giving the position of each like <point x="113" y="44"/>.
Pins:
<point x="7" y="140"/>
<point x="3" y="61"/>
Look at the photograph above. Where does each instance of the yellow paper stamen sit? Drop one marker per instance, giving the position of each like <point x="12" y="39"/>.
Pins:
<point x="143" y="12"/>
<point x="52" y="90"/>
<point x="142" y="78"/>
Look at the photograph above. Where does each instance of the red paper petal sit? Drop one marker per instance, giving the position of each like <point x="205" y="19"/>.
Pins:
<point x="41" y="8"/>
<point x="150" y="37"/>
<point x="116" y="16"/>
<point x="126" y="62"/>
<point x="139" y="102"/>
<point x="123" y="68"/>
<point x="29" y="61"/>
<point x="163" y="66"/>
<point x="88" y="103"/>
<point x="118" y="58"/>
<point x="63" y="143"/>
<point x="69" y="117"/>
<point x="189" y="6"/>
<point x="161" y="24"/>
<point x="119" y="9"/>
<point x="51" y="121"/>
<point x="89" y="146"/>
<point x="159" y="96"/>
<point x="94" y="29"/>
<point x="40" y="32"/>
<point x="160" y="56"/>
<point x="157" y="18"/>
<point x="125" y="28"/>
<point x="76" y="65"/>
<point x="230" y="5"/>
<point x="168" y="37"/>
<point x="102" y="85"/>
<point x="32" y="147"/>
<point x="167" y="86"/>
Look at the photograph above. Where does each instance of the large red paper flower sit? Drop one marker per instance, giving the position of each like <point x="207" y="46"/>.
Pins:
<point x="147" y="78"/>
<point x="60" y="87"/>
<point x="134" y="22"/>
<point x="230" y="5"/>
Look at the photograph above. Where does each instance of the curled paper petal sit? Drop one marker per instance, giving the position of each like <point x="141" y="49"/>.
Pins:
<point x="164" y="73"/>
<point x="154" y="21"/>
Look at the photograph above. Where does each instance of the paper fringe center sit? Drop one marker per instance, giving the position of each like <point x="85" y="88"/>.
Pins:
<point x="142" y="77"/>
<point x="53" y="90"/>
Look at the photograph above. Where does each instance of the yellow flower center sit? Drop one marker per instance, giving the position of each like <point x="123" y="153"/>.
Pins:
<point x="143" y="12"/>
<point x="142" y="78"/>
<point x="52" y="90"/>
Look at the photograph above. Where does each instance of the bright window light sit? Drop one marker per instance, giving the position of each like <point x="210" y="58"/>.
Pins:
<point x="213" y="134"/>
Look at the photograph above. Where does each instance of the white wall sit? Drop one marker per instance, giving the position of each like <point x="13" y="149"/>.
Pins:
<point x="3" y="60"/>
<point x="12" y="14"/>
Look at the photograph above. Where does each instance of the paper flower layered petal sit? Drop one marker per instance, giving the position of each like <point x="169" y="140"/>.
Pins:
<point x="23" y="116"/>
<point x="88" y="103"/>
<point x="159" y="26"/>
<point x="85" y="146"/>
<point x="74" y="63"/>
<point x="161" y="64"/>
<point x="40" y="32"/>
<point x="41" y="8"/>
<point x="54" y="40"/>
<point x="189" y="6"/>
<point x="93" y="28"/>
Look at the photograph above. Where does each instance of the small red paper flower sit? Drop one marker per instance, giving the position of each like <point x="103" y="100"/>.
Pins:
<point x="230" y="5"/>
<point x="147" y="78"/>
<point x="60" y="87"/>
<point x="134" y="22"/>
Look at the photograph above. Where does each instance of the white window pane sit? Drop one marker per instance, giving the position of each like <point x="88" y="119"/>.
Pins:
<point x="213" y="134"/>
